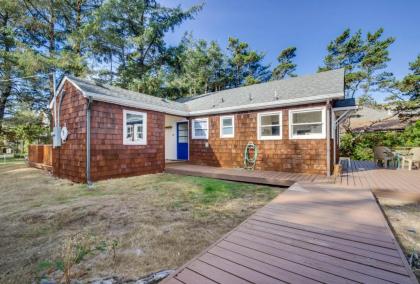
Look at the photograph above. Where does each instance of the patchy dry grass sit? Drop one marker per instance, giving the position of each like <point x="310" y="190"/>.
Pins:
<point x="151" y="222"/>
<point x="404" y="218"/>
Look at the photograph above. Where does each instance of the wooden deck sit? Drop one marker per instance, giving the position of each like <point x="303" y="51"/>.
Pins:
<point x="242" y="175"/>
<point x="321" y="230"/>
<point x="400" y="184"/>
<point x="394" y="183"/>
<point x="305" y="235"/>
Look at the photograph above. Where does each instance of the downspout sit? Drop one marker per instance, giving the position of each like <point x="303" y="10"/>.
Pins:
<point x="328" y="125"/>
<point x="88" y="113"/>
<point x="334" y="132"/>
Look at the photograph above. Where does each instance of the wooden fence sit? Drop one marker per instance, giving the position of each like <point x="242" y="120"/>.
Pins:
<point x="40" y="156"/>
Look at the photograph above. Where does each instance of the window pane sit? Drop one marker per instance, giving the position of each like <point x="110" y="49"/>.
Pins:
<point x="272" y="119"/>
<point x="182" y="133"/>
<point x="227" y="121"/>
<point x="307" y="129"/>
<point x="200" y="124"/>
<point x="182" y="126"/>
<point x="270" y="131"/>
<point x="139" y="133"/>
<point x="201" y="132"/>
<point x="307" y="117"/>
<point x="183" y="139"/>
<point x="227" y="130"/>
<point x="134" y="118"/>
<point x="129" y="132"/>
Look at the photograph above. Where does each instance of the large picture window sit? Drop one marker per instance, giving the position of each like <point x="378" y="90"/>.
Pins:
<point x="269" y="126"/>
<point x="135" y="128"/>
<point x="227" y="126"/>
<point x="307" y="123"/>
<point x="200" y="128"/>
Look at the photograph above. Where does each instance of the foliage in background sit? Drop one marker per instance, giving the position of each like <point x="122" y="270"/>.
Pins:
<point x="25" y="127"/>
<point x="406" y="100"/>
<point x="286" y="66"/>
<point x="122" y="42"/>
<point x="359" y="146"/>
<point x="364" y="61"/>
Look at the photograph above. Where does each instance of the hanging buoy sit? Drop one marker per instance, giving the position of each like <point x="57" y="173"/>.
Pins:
<point x="250" y="156"/>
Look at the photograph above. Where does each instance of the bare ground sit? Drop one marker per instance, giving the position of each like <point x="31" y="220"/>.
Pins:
<point x="404" y="218"/>
<point x="133" y="226"/>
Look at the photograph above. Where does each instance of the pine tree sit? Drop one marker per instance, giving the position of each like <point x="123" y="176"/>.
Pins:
<point x="245" y="65"/>
<point x="286" y="67"/>
<point x="363" y="60"/>
<point x="133" y="32"/>
<point x="13" y="56"/>
<point x="406" y="101"/>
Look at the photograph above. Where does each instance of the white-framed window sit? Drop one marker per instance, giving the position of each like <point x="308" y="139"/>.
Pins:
<point x="200" y="128"/>
<point x="307" y="123"/>
<point x="227" y="126"/>
<point x="134" y="128"/>
<point x="269" y="125"/>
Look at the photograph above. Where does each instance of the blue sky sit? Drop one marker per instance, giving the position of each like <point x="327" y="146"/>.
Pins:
<point x="270" y="26"/>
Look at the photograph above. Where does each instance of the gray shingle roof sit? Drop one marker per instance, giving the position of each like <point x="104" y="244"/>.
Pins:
<point x="92" y="88"/>
<point x="311" y="88"/>
<point x="305" y="87"/>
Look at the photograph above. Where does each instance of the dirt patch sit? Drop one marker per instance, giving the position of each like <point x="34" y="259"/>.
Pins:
<point x="135" y="226"/>
<point x="404" y="218"/>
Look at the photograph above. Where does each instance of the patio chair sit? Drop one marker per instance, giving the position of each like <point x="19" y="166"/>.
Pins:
<point x="413" y="157"/>
<point x="382" y="154"/>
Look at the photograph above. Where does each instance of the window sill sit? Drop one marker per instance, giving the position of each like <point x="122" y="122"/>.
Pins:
<point x="270" y="138"/>
<point x="135" y="143"/>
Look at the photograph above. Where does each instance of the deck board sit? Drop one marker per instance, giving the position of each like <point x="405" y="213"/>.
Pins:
<point x="315" y="232"/>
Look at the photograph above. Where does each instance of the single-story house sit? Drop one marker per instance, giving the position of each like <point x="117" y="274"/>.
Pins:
<point x="106" y="132"/>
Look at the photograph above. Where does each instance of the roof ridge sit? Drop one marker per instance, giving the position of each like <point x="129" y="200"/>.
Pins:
<point x="288" y="79"/>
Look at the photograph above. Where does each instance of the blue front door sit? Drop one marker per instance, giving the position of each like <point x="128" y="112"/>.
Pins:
<point x="182" y="140"/>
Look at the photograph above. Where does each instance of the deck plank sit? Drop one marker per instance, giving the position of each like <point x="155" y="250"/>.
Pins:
<point x="316" y="231"/>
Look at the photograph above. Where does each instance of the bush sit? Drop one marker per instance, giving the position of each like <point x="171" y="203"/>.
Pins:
<point x="359" y="146"/>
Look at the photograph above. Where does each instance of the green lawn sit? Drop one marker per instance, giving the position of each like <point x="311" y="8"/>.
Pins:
<point x="127" y="227"/>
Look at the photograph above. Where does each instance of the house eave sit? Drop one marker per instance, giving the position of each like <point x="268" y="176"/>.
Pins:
<point x="247" y="107"/>
<point x="268" y="105"/>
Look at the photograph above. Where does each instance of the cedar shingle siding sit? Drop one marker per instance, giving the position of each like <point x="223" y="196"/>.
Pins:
<point x="109" y="157"/>
<point x="69" y="160"/>
<point x="304" y="156"/>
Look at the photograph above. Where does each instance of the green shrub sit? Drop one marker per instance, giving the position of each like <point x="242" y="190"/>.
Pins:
<point x="359" y="146"/>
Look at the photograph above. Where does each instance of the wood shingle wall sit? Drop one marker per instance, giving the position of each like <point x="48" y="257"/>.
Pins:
<point x="301" y="156"/>
<point x="109" y="157"/>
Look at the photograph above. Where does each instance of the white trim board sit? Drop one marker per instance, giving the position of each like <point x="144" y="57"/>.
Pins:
<point x="323" y="135"/>
<point x="273" y="137"/>
<point x="222" y="117"/>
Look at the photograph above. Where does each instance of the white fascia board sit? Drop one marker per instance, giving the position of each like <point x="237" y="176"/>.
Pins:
<point x="130" y="103"/>
<point x="60" y="88"/>
<point x="267" y="105"/>
<point x="118" y="101"/>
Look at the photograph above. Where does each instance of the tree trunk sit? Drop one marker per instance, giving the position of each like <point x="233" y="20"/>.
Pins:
<point x="51" y="50"/>
<point x="6" y="91"/>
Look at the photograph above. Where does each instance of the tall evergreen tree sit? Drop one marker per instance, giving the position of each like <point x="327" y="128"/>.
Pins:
<point x="286" y="67"/>
<point x="16" y="62"/>
<point x="363" y="60"/>
<point x="200" y="67"/>
<point x="133" y="32"/>
<point x="245" y="64"/>
<point x="406" y="100"/>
